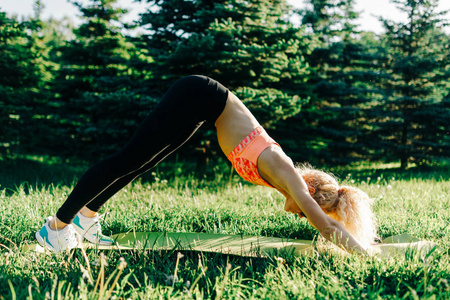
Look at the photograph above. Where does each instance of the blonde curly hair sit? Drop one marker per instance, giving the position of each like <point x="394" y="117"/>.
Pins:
<point x="348" y="205"/>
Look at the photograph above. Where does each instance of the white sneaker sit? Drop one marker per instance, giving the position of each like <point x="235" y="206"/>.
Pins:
<point x="91" y="230"/>
<point x="57" y="240"/>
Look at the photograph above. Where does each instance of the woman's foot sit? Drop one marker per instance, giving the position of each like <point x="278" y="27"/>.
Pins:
<point x="90" y="229"/>
<point x="57" y="240"/>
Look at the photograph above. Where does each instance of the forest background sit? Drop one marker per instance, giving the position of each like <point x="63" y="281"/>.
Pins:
<point x="327" y="92"/>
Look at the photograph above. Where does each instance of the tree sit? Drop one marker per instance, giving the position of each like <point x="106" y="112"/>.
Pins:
<point x="99" y="100"/>
<point x="413" y="120"/>
<point x="249" y="46"/>
<point x="346" y="65"/>
<point x="24" y="78"/>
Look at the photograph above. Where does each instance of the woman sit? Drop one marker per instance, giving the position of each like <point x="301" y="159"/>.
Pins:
<point x="256" y="157"/>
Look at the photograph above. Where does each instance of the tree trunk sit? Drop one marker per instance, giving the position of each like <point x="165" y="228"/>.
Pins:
<point x="404" y="151"/>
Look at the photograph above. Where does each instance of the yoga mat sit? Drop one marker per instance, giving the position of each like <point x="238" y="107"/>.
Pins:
<point x="393" y="246"/>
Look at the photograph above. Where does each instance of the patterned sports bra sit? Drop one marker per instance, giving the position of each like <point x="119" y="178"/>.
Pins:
<point x="245" y="156"/>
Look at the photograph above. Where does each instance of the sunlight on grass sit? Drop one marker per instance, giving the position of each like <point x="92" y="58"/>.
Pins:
<point x="410" y="202"/>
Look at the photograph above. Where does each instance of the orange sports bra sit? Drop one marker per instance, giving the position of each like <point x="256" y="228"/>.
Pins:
<point x="245" y="156"/>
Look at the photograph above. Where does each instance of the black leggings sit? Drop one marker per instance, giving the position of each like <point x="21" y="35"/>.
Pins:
<point x="188" y="103"/>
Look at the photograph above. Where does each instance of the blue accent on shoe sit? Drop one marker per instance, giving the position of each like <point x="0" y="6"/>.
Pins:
<point x="44" y="234"/>
<point x="76" y="221"/>
<point x="103" y="238"/>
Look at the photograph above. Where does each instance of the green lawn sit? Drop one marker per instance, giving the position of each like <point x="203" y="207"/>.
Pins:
<point x="175" y="200"/>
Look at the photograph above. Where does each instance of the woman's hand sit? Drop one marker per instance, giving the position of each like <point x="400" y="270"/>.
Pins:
<point x="277" y="169"/>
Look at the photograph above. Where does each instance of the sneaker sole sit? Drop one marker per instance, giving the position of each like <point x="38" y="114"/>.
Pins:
<point x="98" y="242"/>
<point x="90" y="240"/>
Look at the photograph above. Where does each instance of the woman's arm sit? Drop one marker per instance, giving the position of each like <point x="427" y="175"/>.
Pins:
<point x="276" y="168"/>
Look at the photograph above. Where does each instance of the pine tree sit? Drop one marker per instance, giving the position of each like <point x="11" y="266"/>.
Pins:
<point x="97" y="89"/>
<point x="347" y="63"/>
<point x="413" y="120"/>
<point x="24" y="77"/>
<point x="249" y="46"/>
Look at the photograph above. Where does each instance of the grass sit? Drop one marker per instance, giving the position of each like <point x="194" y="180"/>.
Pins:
<point x="170" y="199"/>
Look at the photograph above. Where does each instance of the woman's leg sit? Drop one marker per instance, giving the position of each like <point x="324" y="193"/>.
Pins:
<point x="187" y="104"/>
<point x="98" y="202"/>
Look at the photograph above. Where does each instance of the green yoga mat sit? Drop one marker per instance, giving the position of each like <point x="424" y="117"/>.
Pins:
<point x="397" y="245"/>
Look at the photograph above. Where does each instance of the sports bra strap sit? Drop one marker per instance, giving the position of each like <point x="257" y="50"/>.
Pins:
<point x="258" y="145"/>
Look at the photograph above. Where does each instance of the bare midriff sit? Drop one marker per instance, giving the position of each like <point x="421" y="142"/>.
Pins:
<point x="234" y="124"/>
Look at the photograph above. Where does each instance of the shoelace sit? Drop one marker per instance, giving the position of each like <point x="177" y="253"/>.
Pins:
<point x="69" y="236"/>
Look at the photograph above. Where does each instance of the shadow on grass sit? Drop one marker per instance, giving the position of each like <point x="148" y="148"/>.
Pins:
<point x="37" y="172"/>
<point x="363" y="173"/>
<point x="174" y="274"/>
<point x="173" y="271"/>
